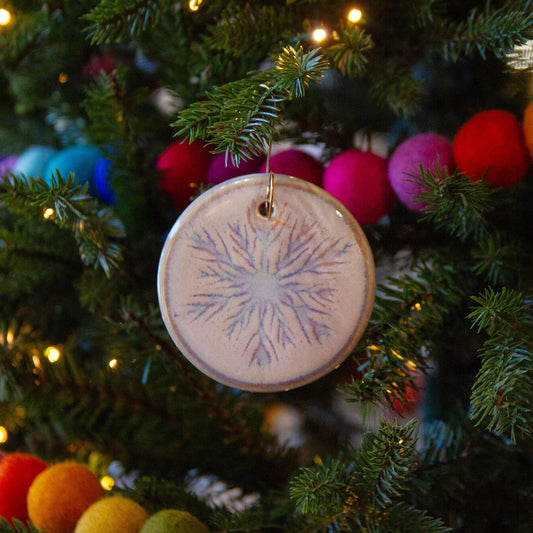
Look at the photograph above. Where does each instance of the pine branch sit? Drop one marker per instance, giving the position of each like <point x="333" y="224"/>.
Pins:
<point x="496" y="31"/>
<point x="17" y="527"/>
<point x="95" y="229"/>
<point x="455" y="203"/>
<point x="502" y="395"/>
<point x="240" y="118"/>
<point x="350" y="54"/>
<point x="403" y="518"/>
<point x="112" y="20"/>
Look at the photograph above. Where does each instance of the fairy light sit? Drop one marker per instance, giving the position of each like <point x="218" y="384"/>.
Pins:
<point x="355" y="15"/>
<point x="194" y="4"/>
<point x="319" y="35"/>
<point x="107" y="482"/>
<point x="113" y="363"/>
<point x="48" y="213"/>
<point x="63" y="77"/>
<point x="52" y="354"/>
<point x="4" y="435"/>
<point x="5" y="17"/>
<point x="10" y="337"/>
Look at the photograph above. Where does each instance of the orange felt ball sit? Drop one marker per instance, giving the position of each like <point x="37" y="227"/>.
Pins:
<point x="491" y="144"/>
<point x="17" y="472"/>
<point x="60" y="494"/>
<point x="528" y="128"/>
<point x="115" y="514"/>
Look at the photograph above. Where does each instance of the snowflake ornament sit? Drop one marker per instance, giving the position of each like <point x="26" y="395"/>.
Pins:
<point x="263" y="303"/>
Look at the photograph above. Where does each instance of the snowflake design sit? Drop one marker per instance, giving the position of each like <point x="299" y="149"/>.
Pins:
<point x="272" y="284"/>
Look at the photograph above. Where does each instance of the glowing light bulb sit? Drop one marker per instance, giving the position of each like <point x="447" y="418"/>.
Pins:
<point x="52" y="354"/>
<point x="63" y="77"/>
<point x="107" y="482"/>
<point x="3" y="434"/>
<point x="48" y="213"/>
<point x="10" y="337"/>
<point x="194" y="4"/>
<point x="355" y="15"/>
<point x="5" y="17"/>
<point x="113" y="363"/>
<point x="319" y="35"/>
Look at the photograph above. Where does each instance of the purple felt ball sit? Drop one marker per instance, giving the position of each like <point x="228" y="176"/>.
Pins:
<point x="296" y="163"/>
<point x="429" y="150"/>
<point x="359" y="181"/>
<point x="218" y="170"/>
<point x="7" y="164"/>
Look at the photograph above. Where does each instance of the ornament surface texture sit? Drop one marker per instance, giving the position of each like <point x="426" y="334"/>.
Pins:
<point x="266" y="304"/>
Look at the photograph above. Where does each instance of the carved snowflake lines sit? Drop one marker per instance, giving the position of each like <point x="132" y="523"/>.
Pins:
<point x="272" y="284"/>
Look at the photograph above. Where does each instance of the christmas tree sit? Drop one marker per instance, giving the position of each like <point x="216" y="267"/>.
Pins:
<point x="407" y="409"/>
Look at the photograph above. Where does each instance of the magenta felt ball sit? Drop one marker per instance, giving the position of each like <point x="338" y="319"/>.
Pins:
<point x="429" y="150"/>
<point x="359" y="180"/>
<point x="492" y="142"/>
<point x="218" y="170"/>
<point x="296" y="163"/>
<point x="183" y="168"/>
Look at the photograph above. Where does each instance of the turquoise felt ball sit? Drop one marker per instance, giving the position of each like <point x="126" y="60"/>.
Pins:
<point x="33" y="161"/>
<point x="173" y="521"/>
<point x="80" y="160"/>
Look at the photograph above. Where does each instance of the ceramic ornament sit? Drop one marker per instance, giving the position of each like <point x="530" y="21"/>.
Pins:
<point x="266" y="301"/>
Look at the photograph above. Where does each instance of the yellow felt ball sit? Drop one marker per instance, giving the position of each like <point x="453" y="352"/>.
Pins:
<point x="114" y="514"/>
<point x="173" y="521"/>
<point x="60" y="494"/>
<point x="528" y="128"/>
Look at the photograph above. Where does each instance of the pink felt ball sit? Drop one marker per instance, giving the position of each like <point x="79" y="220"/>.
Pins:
<point x="427" y="150"/>
<point x="296" y="163"/>
<point x="183" y="167"/>
<point x="359" y="180"/>
<point x="492" y="143"/>
<point x="218" y="170"/>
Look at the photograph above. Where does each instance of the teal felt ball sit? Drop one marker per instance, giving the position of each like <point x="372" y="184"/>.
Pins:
<point x="32" y="163"/>
<point x="80" y="160"/>
<point x="173" y="521"/>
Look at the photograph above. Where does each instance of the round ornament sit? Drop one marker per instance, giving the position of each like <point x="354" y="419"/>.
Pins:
<point x="266" y="303"/>
<point x="183" y="168"/>
<point x="297" y="163"/>
<point x="360" y="181"/>
<point x="114" y="514"/>
<point x="491" y="146"/>
<point x="427" y="150"/>
<point x="173" y="521"/>
<point x="102" y="180"/>
<point x="81" y="160"/>
<point x="17" y="472"/>
<point x="60" y="494"/>
<point x="218" y="170"/>
<point x="32" y="162"/>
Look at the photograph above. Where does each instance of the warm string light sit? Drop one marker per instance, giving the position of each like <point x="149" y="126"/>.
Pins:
<point x="5" y="17"/>
<point x="113" y="363"/>
<point x="48" y="213"/>
<point x="194" y="4"/>
<point x="107" y="482"/>
<point x="63" y="77"/>
<point x="3" y="434"/>
<point x="355" y="15"/>
<point x="53" y="354"/>
<point x="319" y="35"/>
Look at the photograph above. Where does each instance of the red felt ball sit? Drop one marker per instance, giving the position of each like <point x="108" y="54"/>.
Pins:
<point x="359" y="180"/>
<point x="183" y="167"/>
<point x="17" y="472"/>
<point x="427" y="150"/>
<point x="528" y="128"/>
<point x="492" y="143"/>
<point x="296" y="163"/>
<point x="219" y="171"/>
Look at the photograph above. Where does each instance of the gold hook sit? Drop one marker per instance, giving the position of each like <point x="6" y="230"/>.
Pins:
<point x="270" y="195"/>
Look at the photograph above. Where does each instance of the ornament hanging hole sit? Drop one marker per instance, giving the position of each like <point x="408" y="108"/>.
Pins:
<point x="265" y="211"/>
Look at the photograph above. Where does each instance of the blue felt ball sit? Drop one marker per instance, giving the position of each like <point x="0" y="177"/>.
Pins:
<point x="80" y="160"/>
<point x="33" y="161"/>
<point x="102" y="181"/>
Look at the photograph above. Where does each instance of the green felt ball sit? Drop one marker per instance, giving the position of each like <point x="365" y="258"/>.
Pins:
<point x="173" y="521"/>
